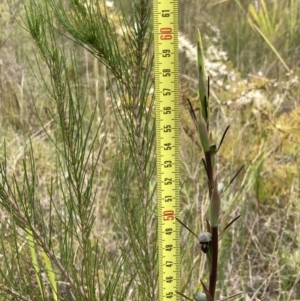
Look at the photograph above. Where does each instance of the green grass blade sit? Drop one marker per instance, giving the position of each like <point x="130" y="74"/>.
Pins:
<point x="50" y="274"/>
<point x="34" y="258"/>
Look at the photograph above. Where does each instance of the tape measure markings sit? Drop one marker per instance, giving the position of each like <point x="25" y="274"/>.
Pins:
<point x="165" y="16"/>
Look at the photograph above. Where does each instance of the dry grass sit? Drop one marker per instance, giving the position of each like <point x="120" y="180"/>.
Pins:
<point x="260" y="253"/>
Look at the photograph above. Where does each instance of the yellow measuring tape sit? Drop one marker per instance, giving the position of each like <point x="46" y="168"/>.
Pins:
<point x="165" y="17"/>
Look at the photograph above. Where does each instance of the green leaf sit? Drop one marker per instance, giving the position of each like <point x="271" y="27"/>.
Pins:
<point x="202" y="81"/>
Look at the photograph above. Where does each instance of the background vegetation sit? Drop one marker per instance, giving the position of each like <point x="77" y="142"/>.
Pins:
<point x="77" y="148"/>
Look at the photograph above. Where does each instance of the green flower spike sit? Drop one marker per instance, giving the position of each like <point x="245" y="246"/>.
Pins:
<point x="202" y="128"/>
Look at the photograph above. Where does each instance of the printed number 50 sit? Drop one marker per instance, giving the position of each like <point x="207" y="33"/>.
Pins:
<point x="168" y="215"/>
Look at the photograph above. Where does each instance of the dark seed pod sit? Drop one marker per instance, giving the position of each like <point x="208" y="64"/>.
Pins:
<point x="205" y="241"/>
